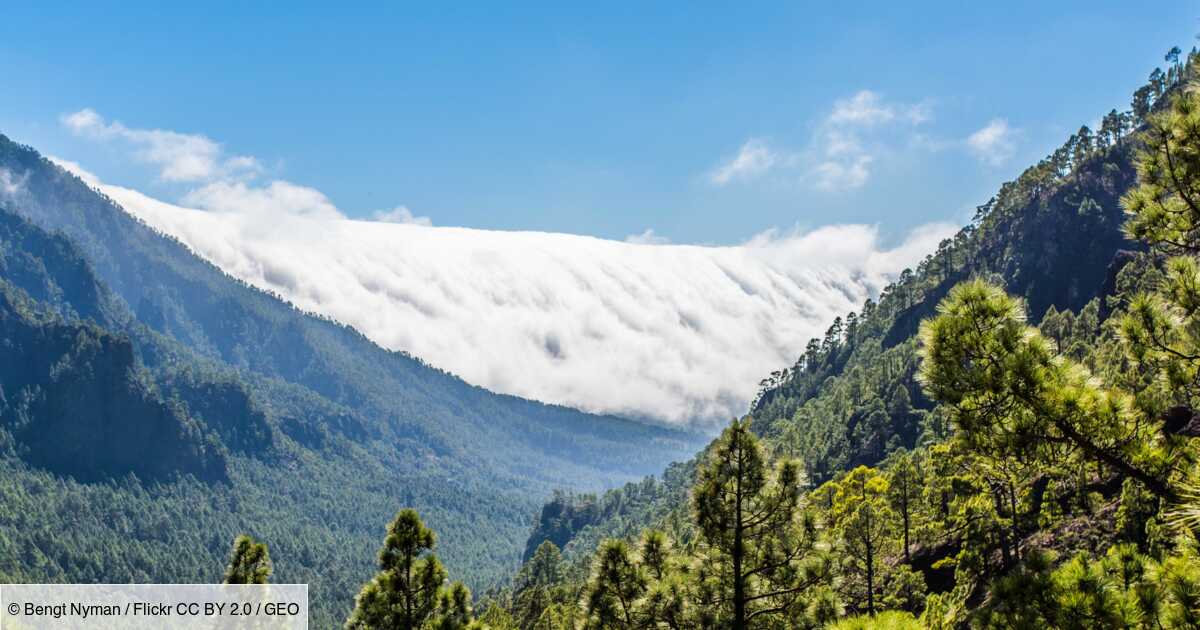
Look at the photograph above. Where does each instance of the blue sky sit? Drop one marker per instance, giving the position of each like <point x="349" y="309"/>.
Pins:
<point x="706" y="123"/>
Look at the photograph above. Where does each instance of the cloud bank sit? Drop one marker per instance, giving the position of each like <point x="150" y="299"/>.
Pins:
<point x="642" y="327"/>
<point x="674" y="333"/>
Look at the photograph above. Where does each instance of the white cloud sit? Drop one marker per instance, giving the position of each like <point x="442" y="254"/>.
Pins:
<point x="678" y="333"/>
<point x="752" y="160"/>
<point x="842" y="174"/>
<point x="180" y="157"/>
<point x="400" y="214"/>
<point x="11" y="184"/>
<point x="75" y="169"/>
<point x="279" y="198"/>
<point x="994" y="144"/>
<point x="647" y="237"/>
<point x="866" y="108"/>
<point x="218" y="183"/>
<point x="847" y="141"/>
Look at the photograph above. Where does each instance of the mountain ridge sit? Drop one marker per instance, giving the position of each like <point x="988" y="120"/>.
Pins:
<point x="318" y="435"/>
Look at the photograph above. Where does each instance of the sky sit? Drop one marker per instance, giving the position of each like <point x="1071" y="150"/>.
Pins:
<point x="700" y="122"/>
<point x="636" y="209"/>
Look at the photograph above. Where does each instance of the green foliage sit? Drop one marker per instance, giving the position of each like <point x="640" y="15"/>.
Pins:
<point x="891" y="620"/>
<point x="757" y="546"/>
<point x="453" y="609"/>
<point x="1014" y="396"/>
<point x="617" y="585"/>
<point x="865" y="524"/>
<point x="408" y="589"/>
<point x="986" y="472"/>
<point x="249" y="562"/>
<point x="537" y="585"/>
<point x="1124" y="589"/>
<point x="137" y="368"/>
<point x="903" y="495"/>
<point x="75" y="400"/>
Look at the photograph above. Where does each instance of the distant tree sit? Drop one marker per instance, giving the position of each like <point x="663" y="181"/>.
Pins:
<point x="1143" y="100"/>
<point x="904" y="491"/>
<point x="1084" y="144"/>
<point x="1057" y="326"/>
<point x="864" y="523"/>
<point x="1172" y="56"/>
<point x="405" y="591"/>
<point x="1112" y="127"/>
<point x="249" y="562"/>
<point x="758" y="546"/>
<point x="1158" y="82"/>
<point x="534" y="588"/>
<point x="656" y="554"/>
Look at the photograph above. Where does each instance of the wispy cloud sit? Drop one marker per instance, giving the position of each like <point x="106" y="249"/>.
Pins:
<point x="274" y="199"/>
<point x="216" y="181"/>
<point x="400" y="214"/>
<point x="180" y="157"/>
<point x="845" y="145"/>
<point x="867" y="108"/>
<point x="752" y="160"/>
<point x="848" y="140"/>
<point x="994" y="144"/>
<point x="648" y="237"/>
<point x="11" y="184"/>
<point x="842" y="173"/>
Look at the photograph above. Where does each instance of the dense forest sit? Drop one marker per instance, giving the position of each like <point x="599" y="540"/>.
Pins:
<point x="152" y="408"/>
<point x="1006" y="438"/>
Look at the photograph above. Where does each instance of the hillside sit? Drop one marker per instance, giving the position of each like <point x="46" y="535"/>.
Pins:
<point x="170" y="407"/>
<point x="949" y="456"/>
<point x="1053" y="236"/>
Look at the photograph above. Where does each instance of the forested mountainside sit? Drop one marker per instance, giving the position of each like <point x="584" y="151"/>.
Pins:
<point x="152" y="408"/>
<point x="935" y="460"/>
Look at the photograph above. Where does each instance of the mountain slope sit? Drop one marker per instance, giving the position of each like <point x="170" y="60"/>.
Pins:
<point x="1053" y="237"/>
<point x="308" y="435"/>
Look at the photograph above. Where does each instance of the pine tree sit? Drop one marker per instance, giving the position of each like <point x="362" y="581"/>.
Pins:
<point x="405" y="591"/>
<point x="758" y="557"/>
<point x="249" y="562"/>
<point x="1012" y="396"/>
<point x="453" y="609"/>
<point x="864" y="523"/>
<point x="1161" y="329"/>
<point x="904" y="489"/>
<point x="535" y="586"/>
<point x="617" y="585"/>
